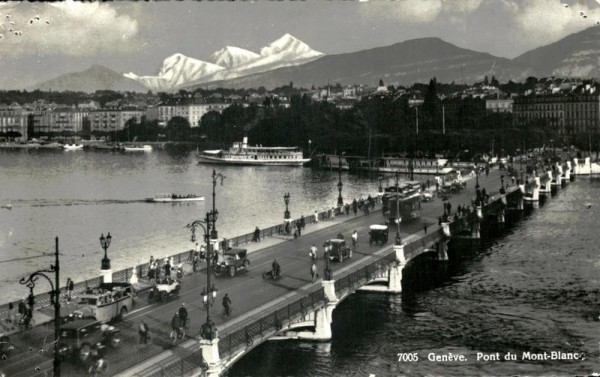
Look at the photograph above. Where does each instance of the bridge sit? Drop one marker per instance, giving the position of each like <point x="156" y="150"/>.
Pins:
<point x="294" y="307"/>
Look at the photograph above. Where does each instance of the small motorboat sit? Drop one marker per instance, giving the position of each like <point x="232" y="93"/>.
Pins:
<point x="174" y="198"/>
<point x="143" y="148"/>
<point x="73" y="147"/>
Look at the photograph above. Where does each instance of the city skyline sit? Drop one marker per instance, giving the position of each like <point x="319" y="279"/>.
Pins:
<point x="138" y="37"/>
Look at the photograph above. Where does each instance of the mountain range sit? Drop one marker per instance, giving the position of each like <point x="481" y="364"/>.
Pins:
<point x="290" y="60"/>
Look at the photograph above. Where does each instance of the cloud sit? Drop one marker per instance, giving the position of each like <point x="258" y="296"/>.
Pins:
<point x="68" y="28"/>
<point x="461" y="6"/>
<point x="412" y="11"/>
<point x="545" y="21"/>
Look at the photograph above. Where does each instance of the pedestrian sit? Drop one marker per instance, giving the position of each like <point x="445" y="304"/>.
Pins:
<point x="347" y="208"/>
<point x="354" y="206"/>
<point x="302" y="222"/>
<point x="256" y="236"/>
<point x="332" y="213"/>
<point x="437" y="186"/>
<point x="143" y="330"/>
<point x="299" y="226"/>
<point x="313" y="272"/>
<point x="70" y="286"/>
<point x="195" y="262"/>
<point x="313" y="252"/>
<point x="11" y="315"/>
<point x="316" y="216"/>
<point x="425" y="226"/>
<point x="354" y="239"/>
<point x="168" y="269"/>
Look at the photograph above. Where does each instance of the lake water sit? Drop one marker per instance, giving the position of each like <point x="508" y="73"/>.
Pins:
<point x="77" y="195"/>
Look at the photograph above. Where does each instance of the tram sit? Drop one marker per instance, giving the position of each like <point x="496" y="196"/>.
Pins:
<point x="407" y="201"/>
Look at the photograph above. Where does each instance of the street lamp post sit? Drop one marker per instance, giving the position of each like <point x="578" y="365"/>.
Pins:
<point x="286" y="200"/>
<point x="476" y="177"/>
<point x="340" y="201"/>
<point x="214" y="235"/>
<point x="209" y="293"/>
<point x="105" y="243"/>
<point x="398" y="218"/>
<point x="54" y="299"/>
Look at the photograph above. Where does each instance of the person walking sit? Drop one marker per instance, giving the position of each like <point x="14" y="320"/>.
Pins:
<point x="312" y="253"/>
<point x="143" y="330"/>
<point x="70" y="287"/>
<point x="226" y="305"/>
<point x="256" y="236"/>
<point x="354" y="239"/>
<point x="196" y="262"/>
<point x="168" y="270"/>
<point x="302" y="222"/>
<point x="313" y="272"/>
<point x="316" y="216"/>
<point x="355" y="207"/>
<point x="425" y="225"/>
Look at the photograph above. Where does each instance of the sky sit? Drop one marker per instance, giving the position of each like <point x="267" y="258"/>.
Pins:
<point x="127" y="36"/>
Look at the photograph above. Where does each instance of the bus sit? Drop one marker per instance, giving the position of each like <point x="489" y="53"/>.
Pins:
<point x="108" y="302"/>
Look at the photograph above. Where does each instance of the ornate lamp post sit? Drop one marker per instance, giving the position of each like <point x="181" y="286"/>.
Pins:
<point x="477" y="177"/>
<point x="286" y="200"/>
<point x="398" y="219"/>
<point x="209" y="293"/>
<point x="54" y="299"/>
<point x="214" y="235"/>
<point x="105" y="243"/>
<point x="340" y="201"/>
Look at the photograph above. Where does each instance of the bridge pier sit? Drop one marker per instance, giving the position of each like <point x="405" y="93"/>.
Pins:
<point x="210" y="354"/>
<point x="546" y="187"/>
<point x="331" y="297"/>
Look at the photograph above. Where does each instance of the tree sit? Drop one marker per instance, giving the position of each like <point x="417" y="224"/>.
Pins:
<point x="178" y="129"/>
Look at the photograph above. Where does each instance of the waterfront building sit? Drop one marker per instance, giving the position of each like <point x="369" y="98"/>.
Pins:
<point x="192" y="112"/>
<point x="574" y="113"/>
<point x="499" y="105"/>
<point x="60" y="119"/>
<point x="114" y="119"/>
<point x="13" y="119"/>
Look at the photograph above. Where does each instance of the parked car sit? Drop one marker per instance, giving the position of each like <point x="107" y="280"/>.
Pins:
<point x="164" y="289"/>
<point x="338" y="250"/>
<point x="78" y="337"/>
<point x="378" y="234"/>
<point x="231" y="261"/>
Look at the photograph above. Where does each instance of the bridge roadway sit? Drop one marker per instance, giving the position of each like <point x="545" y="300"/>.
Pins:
<point x="33" y="354"/>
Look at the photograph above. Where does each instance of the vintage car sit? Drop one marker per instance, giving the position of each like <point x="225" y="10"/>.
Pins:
<point x="5" y="346"/>
<point x="230" y="261"/>
<point x="337" y="249"/>
<point x="164" y="289"/>
<point x="378" y="234"/>
<point x="110" y="301"/>
<point x="79" y="336"/>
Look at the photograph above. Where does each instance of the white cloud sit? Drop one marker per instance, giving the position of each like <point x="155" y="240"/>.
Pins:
<point x="545" y="21"/>
<point x="412" y="11"/>
<point x="461" y="6"/>
<point x="69" y="28"/>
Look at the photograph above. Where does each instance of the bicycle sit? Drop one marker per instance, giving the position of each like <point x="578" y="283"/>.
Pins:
<point x="177" y="334"/>
<point x="227" y="312"/>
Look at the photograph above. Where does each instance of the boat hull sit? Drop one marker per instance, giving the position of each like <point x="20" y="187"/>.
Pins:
<point x="253" y="162"/>
<point x="170" y="200"/>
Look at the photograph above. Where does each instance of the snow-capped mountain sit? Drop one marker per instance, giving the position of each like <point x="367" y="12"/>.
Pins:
<point x="176" y="70"/>
<point x="229" y="62"/>
<point x="231" y="57"/>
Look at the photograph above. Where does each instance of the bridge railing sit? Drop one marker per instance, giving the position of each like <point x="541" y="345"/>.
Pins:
<point x="273" y="320"/>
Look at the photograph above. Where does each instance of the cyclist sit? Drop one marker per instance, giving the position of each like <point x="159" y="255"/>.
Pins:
<point x="183" y="316"/>
<point x="176" y="324"/>
<point x="227" y="305"/>
<point x="276" y="269"/>
<point x="354" y="239"/>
